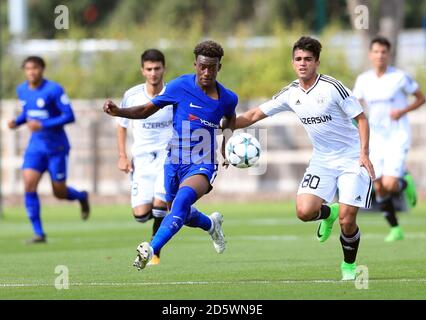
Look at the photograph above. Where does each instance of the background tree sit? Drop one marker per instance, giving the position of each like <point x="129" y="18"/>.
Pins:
<point x="386" y="18"/>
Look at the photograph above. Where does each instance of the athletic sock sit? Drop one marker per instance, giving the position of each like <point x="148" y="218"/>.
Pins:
<point x="174" y="221"/>
<point x="158" y="214"/>
<point x="324" y="213"/>
<point x="402" y="185"/>
<point x="350" y="245"/>
<point x="32" y="205"/>
<point x="388" y="209"/>
<point x="73" y="194"/>
<point x="197" y="219"/>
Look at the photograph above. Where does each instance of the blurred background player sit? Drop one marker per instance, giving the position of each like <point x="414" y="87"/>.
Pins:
<point x="46" y="109"/>
<point x="150" y="140"/>
<point x="199" y="104"/>
<point x="384" y="90"/>
<point x="340" y="158"/>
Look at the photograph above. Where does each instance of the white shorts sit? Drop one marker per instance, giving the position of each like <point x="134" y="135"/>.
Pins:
<point x="147" y="178"/>
<point x="352" y="182"/>
<point x="388" y="158"/>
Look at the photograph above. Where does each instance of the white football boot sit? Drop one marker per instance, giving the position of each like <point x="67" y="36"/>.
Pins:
<point x="218" y="238"/>
<point x="144" y="255"/>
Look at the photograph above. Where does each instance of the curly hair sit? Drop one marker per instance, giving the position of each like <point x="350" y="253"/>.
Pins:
<point x="308" y="44"/>
<point x="209" y="49"/>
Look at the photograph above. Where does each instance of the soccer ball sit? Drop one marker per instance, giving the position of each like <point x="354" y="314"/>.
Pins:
<point x="242" y="150"/>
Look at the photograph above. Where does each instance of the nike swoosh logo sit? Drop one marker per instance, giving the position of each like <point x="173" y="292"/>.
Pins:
<point x="203" y="169"/>
<point x="195" y="106"/>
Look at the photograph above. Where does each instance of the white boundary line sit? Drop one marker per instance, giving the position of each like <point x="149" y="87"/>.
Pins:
<point x="180" y="283"/>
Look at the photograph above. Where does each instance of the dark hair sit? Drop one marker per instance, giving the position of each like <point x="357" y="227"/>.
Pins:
<point x="34" y="59"/>
<point x="380" y="40"/>
<point x="308" y="44"/>
<point x="153" y="55"/>
<point x="209" y="49"/>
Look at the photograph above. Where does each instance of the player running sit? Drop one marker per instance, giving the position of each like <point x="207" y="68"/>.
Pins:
<point x="150" y="140"/>
<point x="199" y="103"/>
<point x="340" y="158"/>
<point x="384" y="90"/>
<point x="46" y="109"/>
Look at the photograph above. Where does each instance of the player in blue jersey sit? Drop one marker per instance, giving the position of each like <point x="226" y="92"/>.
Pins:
<point x="199" y="104"/>
<point x="46" y="109"/>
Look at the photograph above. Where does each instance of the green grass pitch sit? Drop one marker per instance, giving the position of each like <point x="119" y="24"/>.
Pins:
<point x="270" y="255"/>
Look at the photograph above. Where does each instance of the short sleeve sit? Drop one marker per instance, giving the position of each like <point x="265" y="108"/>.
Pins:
<point x="351" y="107"/>
<point x="409" y="85"/>
<point x="277" y="104"/>
<point x="345" y="99"/>
<point x="170" y="95"/>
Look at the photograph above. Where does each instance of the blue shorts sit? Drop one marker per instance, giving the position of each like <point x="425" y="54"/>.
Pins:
<point x="175" y="174"/>
<point x="55" y="163"/>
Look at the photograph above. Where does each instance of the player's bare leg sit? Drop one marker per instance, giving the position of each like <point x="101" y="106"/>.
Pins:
<point x="349" y="238"/>
<point x="62" y="191"/>
<point x="143" y="212"/>
<point x="310" y="207"/>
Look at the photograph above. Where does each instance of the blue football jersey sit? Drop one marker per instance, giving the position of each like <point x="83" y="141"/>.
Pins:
<point x="49" y="105"/>
<point x="196" y="119"/>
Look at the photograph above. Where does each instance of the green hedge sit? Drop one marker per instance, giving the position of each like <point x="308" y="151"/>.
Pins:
<point x="252" y="73"/>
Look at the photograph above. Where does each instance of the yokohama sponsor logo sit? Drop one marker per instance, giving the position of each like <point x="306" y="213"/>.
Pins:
<point x="204" y="122"/>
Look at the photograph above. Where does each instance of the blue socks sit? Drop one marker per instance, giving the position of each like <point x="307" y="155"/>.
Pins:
<point x="197" y="219"/>
<point x="180" y="214"/>
<point x="32" y="205"/>
<point x="73" y="194"/>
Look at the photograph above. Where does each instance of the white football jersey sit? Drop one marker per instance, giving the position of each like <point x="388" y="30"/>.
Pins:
<point x="382" y="94"/>
<point x="326" y="111"/>
<point x="151" y="134"/>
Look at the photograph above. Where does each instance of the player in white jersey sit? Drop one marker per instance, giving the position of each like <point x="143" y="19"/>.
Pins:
<point x="341" y="152"/>
<point x="150" y="139"/>
<point x="384" y="90"/>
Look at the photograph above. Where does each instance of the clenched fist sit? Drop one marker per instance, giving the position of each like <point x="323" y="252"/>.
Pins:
<point x="111" y="108"/>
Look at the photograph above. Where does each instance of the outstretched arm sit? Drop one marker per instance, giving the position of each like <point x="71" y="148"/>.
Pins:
<point x="364" y="134"/>
<point x="249" y="117"/>
<point x="138" y="112"/>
